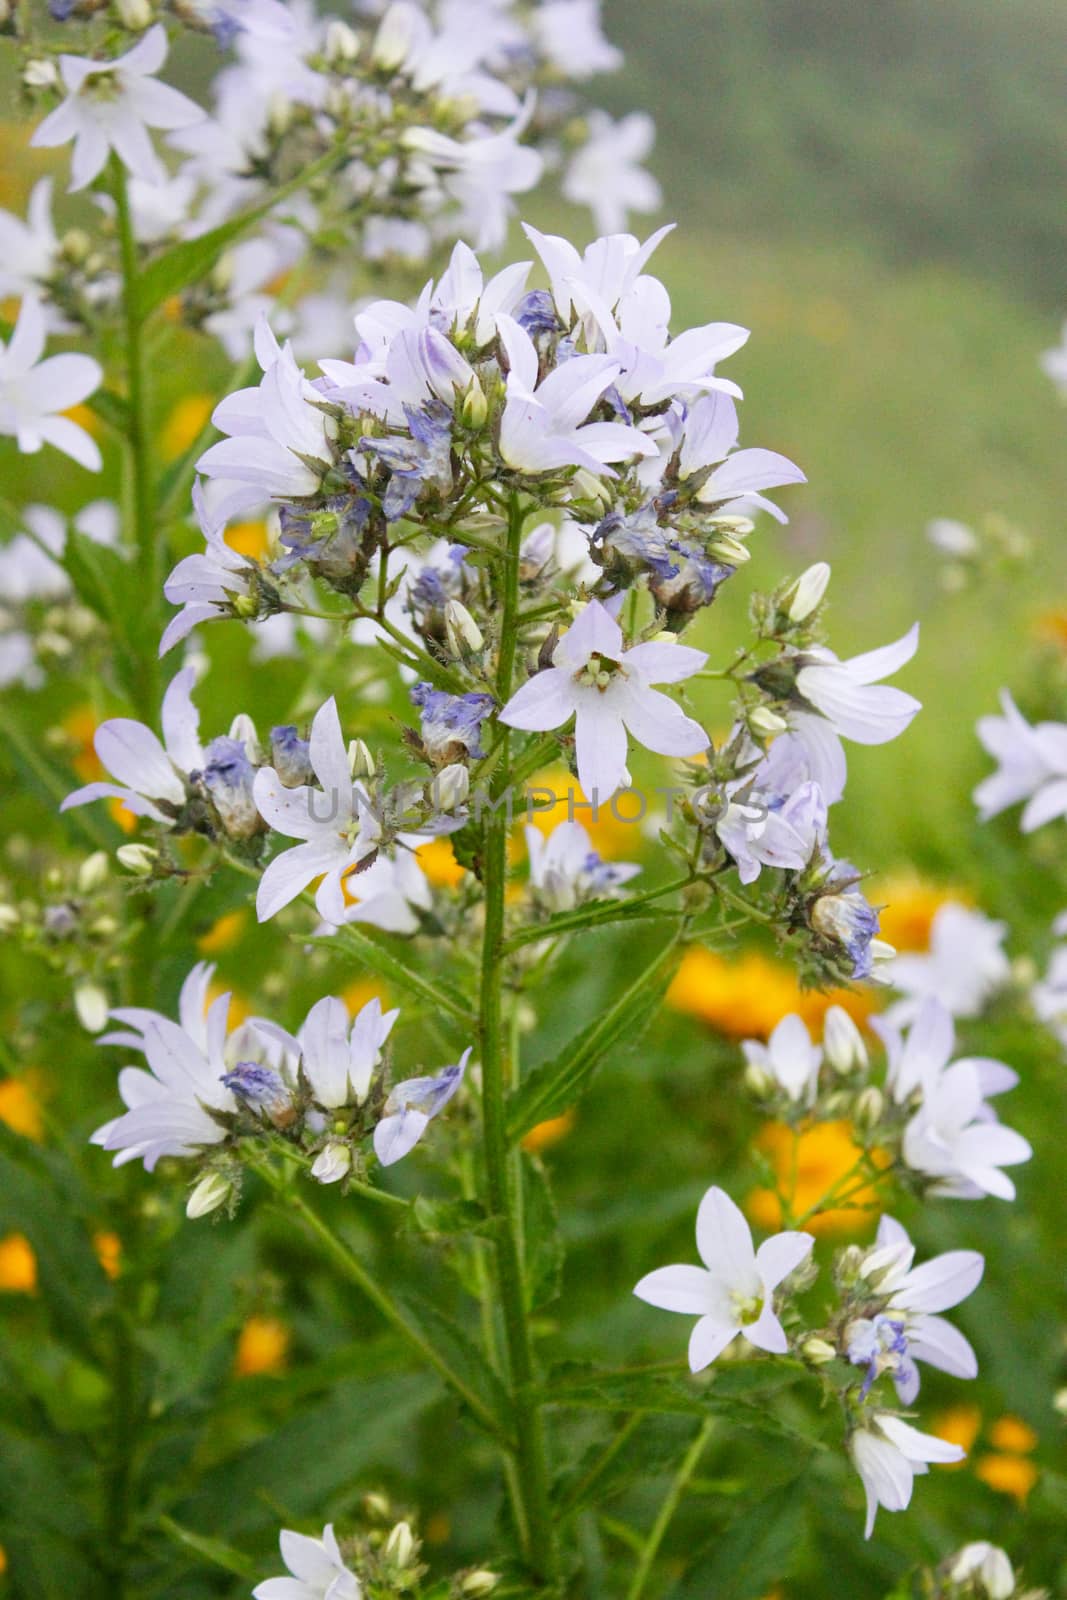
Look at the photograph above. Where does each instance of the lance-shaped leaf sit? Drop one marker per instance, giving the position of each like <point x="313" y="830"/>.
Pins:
<point x="384" y="962"/>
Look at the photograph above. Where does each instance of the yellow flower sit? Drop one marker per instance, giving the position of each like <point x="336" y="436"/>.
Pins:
<point x="184" y="425"/>
<point x="611" y="838"/>
<point x="240" y="1005"/>
<point x="249" y="539"/>
<point x="262" y="1347"/>
<point x="1012" y="1475"/>
<point x="108" y="1248"/>
<point x="18" y="1265"/>
<point x="958" y="1425"/>
<point x="1013" y="1434"/>
<point x="20" y="1106"/>
<point x="361" y="991"/>
<point x="909" y="905"/>
<point x="1051" y="627"/>
<point x="745" y="996"/>
<point x="437" y="859"/>
<point x="223" y="934"/>
<point x="825" y="1153"/>
<point x="548" y="1133"/>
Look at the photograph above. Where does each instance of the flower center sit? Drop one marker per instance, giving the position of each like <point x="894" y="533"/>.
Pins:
<point x="599" y="671"/>
<point x="747" y="1308"/>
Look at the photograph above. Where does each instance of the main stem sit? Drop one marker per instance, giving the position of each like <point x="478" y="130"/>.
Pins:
<point x="534" y="1510"/>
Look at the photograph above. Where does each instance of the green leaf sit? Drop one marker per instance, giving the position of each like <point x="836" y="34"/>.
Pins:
<point x="445" y="1217"/>
<point x="214" y="1551"/>
<point x="192" y="259"/>
<point x="385" y="963"/>
<point x="464" y="1358"/>
<point x="756" y="1551"/>
<point x="550" y="1088"/>
<point x="738" y="1394"/>
<point x="543" y="1254"/>
<point x="110" y="585"/>
<point x="602" y="914"/>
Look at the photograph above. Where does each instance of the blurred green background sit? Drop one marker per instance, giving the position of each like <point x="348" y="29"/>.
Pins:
<point x="879" y="193"/>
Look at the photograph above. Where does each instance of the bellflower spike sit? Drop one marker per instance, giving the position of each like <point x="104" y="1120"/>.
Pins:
<point x="734" y="1291"/>
<point x="335" y="823"/>
<point x="889" y="1454"/>
<point x="1033" y="767"/>
<point x="34" y="392"/>
<point x="317" y="1569"/>
<point x="850" y="703"/>
<point x="789" y="1058"/>
<point x="110" y="105"/>
<point x="151" y="775"/>
<point x="410" y="1108"/>
<point x="338" y="1057"/>
<point x="608" y="691"/>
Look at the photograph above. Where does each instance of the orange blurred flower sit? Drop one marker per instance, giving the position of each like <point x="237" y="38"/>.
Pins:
<point x="108" y="1249"/>
<point x="1007" y="1471"/>
<point x="958" y="1425"/>
<point x="1013" y="1475"/>
<point x="18" y="1265"/>
<point x="248" y="539"/>
<point x="612" y="838"/>
<point x="825" y="1152"/>
<point x="745" y="996"/>
<point x="184" y="425"/>
<point x="550" y="1132"/>
<point x="437" y="859"/>
<point x="20" y="1105"/>
<point x="361" y="991"/>
<point x="909" y="904"/>
<point x="223" y="934"/>
<point x="1013" y="1434"/>
<point x="262" y="1347"/>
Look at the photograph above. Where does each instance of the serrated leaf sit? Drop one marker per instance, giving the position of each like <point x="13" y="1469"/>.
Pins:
<point x="387" y="963"/>
<point x="543" y="1253"/>
<point x="756" y="1550"/>
<point x="436" y="1217"/>
<point x="110" y="586"/>
<point x="550" y="1089"/>
<point x="213" y="1551"/>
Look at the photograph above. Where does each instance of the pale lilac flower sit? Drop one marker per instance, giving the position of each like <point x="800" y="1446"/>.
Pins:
<point x="481" y="173"/>
<point x="338" y="1056"/>
<point x="410" y="1108"/>
<point x="545" y="426"/>
<point x="1049" y="995"/>
<point x="789" y="1058"/>
<point x="170" y="1105"/>
<point x="569" y="33"/>
<point x="847" y="701"/>
<point x="774" y="816"/>
<point x="34" y="392"/>
<point x="390" y="893"/>
<point x="207" y="584"/>
<point x="889" y="1454"/>
<point x="607" y="272"/>
<point x="608" y="691"/>
<point x="710" y="437"/>
<point x="1033" y="767"/>
<point x="907" y="1330"/>
<point x="985" y="1564"/>
<point x="110" y="105"/>
<point x="734" y="1291"/>
<point x="606" y="172"/>
<point x="317" y="1569"/>
<point x="565" y="870"/>
<point x="335" y="823"/>
<point x="29" y="249"/>
<point x="964" y="966"/>
<point x="1054" y="363"/>
<point x="151" y="775"/>
<point x="30" y="562"/>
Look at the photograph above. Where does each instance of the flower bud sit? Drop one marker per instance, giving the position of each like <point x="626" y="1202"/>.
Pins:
<point x="989" y="1566"/>
<point x="212" y="1191"/>
<point x="400" y="1545"/>
<point x="758" y="1080"/>
<point x="475" y="407"/>
<point x="731" y="551"/>
<point x="93" y="872"/>
<point x="140" y="859"/>
<point x="341" y="43"/>
<point x="76" y="246"/>
<point x="842" y="1042"/>
<point x="376" y="1507"/>
<point x="9" y="919"/>
<point x="462" y="632"/>
<point x="279" y="114"/>
<point x="395" y="36"/>
<point x="869" y="1109"/>
<point x="589" y="487"/>
<point x="478" y="1583"/>
<point x="849" y="1264"/>
<point x="817" y="1351"/>
<point x="765" y="723"/>
<point x="332" y="1164"/>
<point x="134" y="14"/>
<point x="451" y="787"/>
<point x="360" y="760"/>
<point x="806" y="594"/>
<point x="40" y="74"/>
<point x="243" y="729"/>
<point x="92" y="1006"/>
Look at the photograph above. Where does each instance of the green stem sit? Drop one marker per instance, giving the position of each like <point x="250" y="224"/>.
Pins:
<point x="592" y="916"/>
<point x="537" y="1529"/>
<point x="585" y="1485"/>
<point x="672" y="1501"/>
<point x="383" y="1302"/>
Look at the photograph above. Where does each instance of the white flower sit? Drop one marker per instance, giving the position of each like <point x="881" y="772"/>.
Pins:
<point x="710" y="436"/>
<point x="954" y="1135"/>
<point x="764" y="825"/>
<point x="734" y="1291"/>
<point x="606" y="174"/>
<point x="985" y="1563"/>
<point x="338" y="1057"/>
<point x="889" y="1454"/>
<point x="790" y="1057"/>
<point x="565" y="870"/>
<point x="608" y="691"/>
<point x="110" y="105"/>
<point x="850" y="703"/>
<point x="274" y="431"/>
<point x="169" y="1105"/>
<point x="28" y="250"/>
<point x="1049" y="995"/>
<point x="410" y="1108"/>
<point x="569" y="33"/>
<point x="907" y="1330"/>
<point x="952" y="538"/>
<point x="545" y="425"/>
<point x="34" y="393"/>
<point x="205" y="584"/>
<point x="150" y="775"/>
<point x="1033" y="767"/>
<point x="482" y="173"/>
<point x="964" y="966"/>
<point x="335" y="823"/>
<point x="317" y="1569"/>
<point x="390" y="893"/>
<point x="1054" y="362"/>
<point x="333" y="1162"/>
<point x="29" y="563"/>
